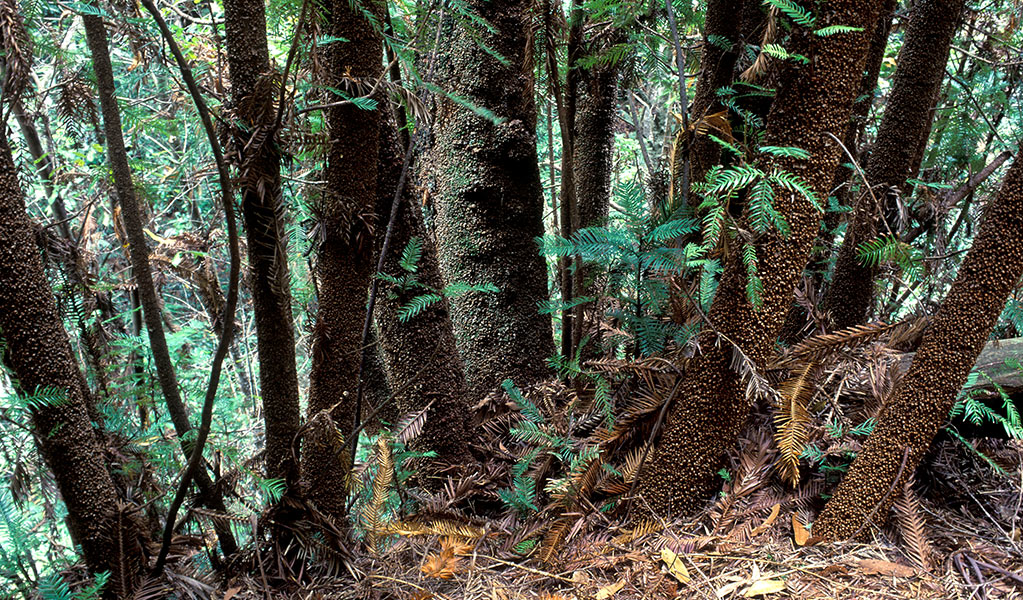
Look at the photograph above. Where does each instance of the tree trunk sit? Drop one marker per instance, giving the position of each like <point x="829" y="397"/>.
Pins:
<point x="596" y="112"/>
<point x="40" y="356"/>
<point x="254" y="103"/>
<point x="489" y="200"/>
<point x="344" y="256"/>
<point x="117" y="156"/>
<point x="950" y="347"/>
<point x="711" y="408"/>
<point x="921" y="68"/>
<point x="420" y="357"/>
<point x="721" y="33"/>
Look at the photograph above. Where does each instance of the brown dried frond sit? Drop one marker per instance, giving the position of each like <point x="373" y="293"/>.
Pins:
<point x="444" y="527"/>
<point x="759" y="66"/>
<point x="792" y="420"/>
<point x="373" y="511"/>
<point x="813" y="348"/>
<point x="912" y="526"/>
<point x="17" y="50"/>
<point x="75" y="103"/>
<point x="552" y="540"/>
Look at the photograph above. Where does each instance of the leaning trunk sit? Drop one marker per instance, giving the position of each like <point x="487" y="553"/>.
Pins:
<point x="40" y="356"/>
<point x="117" y="156"/>
<point x="907" y="118"/>
<point x="489" y="200"/>
<point x="254" y="103"/>
<point x="925" y="395"/>
<point x="711" y="408"/>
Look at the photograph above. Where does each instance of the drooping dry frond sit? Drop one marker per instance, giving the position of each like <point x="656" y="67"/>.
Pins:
<point x="445" y="527"/>
<point x="555" y="535"/>
<point x="759" y="66"/>
<point x="372" y="513"/>
<point x="17" y="50"/>
<point x="819" y="345"/>
<point x="792" y="421"/>
<point x="410" y="426"/>
<point x="912" y="526"/>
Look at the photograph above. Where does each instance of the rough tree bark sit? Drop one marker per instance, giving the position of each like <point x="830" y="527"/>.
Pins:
<point x="489" y="200"/>
<point x="253" y="94"/>
<point x="138" y="249"/>
<point x="40" y="356"/>
<point x="420" y="357"/>
<point x="345" y="252"/>
<point x="925" y="395"/>
<point x="711" y="407"/>
<point x="921" y="68"/>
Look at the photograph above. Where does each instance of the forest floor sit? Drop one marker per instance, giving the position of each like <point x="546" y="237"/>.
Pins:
<point x="957" y="536"/>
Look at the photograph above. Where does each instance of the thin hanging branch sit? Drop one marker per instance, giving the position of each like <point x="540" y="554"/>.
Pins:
<point x="227" y="195"/>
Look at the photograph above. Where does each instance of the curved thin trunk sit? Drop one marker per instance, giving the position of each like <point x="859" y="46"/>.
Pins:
<point x="117" y="156"/>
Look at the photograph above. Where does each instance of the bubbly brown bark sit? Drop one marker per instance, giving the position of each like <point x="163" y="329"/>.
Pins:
<point x="907" y="117"/>
<point x="711" y="407"/>
<point x="925" y="395"/>
<point x="344" y="256"/>
<point x="420" y="357"/>
<point x="489" y="200"/>
<point x="138" y="249"/>
<point x="254" y="103"/>
<point x="40" y="356"/>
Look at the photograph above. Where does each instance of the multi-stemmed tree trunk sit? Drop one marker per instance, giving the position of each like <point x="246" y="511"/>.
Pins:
<point x="345" y="252"/>
<point x="711" y="408"/>
<point x="925" y="395"/>
<point x="40" y="356"/>
<point x="117" y="157"/>
<point x="420" y="357"/>
<point x="896" y="154"/>
<point x="489" y="200"/>
<point x="254" y="104"/>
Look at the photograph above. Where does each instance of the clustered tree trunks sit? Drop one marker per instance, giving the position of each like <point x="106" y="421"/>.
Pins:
<point x="420" y="356"/>
<point x="489" y="199"/>
<point x="711" y="408"/>
<point x="40" y="356"/>
<point x="253" y="92"/>
<point x="138" y="249"/>
<point x="346" y="215"/>
<point x="925" y="395"/>
<point x="896" y="154"/>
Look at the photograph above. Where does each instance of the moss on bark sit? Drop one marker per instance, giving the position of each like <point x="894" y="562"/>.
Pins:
<point x="711" y="409"/>
<point x="950" y="347"/>
<point x="489" y="200"/>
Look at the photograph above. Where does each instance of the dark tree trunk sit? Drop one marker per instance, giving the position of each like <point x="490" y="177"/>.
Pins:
<point x="711" y="408"/>
<point x="344" y="256"/>
<point x="721" y="33"/>
<point x="117" y="156"/>
<point x="595" y="117"/>
<point x="489" y="200"/>
<point x="254" y="104"/>
<point x="925" y="395"/>
<point x="421" y="359"/>
<point x="40" y="356"/>
<point x="921" y="68"/>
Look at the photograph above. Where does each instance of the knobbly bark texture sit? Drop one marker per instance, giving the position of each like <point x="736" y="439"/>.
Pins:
<point x="721" y="33"/>
<point x="344" y="256"/>
<point x="254" y="104"/>
<point x="138" y="249"/>
<point x="710" y="408"/>
<point x="40" y="356"/>
<point x="925" y="395"/>
<point x="596" y="110"/>
<point x="420" y="357"/>
<point x="489" y="200"/>
<point x="894" y="159"/>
